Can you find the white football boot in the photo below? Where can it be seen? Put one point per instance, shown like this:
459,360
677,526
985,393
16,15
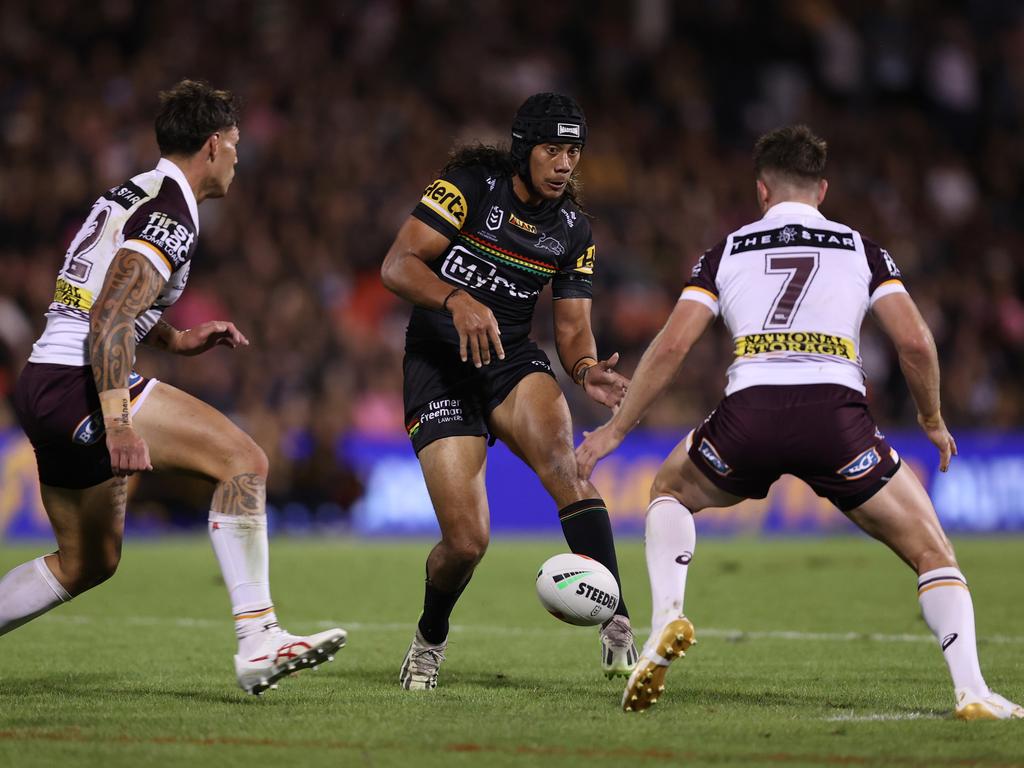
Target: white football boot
665,645
988,706
281,653
422,660
618,651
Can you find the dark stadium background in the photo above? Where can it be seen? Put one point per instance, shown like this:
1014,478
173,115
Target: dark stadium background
351,107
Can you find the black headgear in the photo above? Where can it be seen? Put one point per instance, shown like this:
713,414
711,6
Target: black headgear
545,118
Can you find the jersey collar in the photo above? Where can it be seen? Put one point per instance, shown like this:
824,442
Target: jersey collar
790,208
168,168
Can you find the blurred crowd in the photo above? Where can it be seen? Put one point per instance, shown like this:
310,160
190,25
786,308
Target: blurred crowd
349,109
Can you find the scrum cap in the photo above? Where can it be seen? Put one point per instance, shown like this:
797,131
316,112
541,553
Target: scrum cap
542,118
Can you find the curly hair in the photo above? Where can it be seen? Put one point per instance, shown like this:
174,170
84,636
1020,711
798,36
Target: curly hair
499,159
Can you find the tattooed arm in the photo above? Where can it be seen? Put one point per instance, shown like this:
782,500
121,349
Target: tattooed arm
195,341
131,286
163,336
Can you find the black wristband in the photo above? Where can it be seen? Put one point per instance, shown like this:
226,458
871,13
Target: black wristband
444,304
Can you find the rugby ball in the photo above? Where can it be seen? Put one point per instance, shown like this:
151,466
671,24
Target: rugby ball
577,590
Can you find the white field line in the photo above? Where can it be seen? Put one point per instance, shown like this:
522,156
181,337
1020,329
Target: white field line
482,629
853,717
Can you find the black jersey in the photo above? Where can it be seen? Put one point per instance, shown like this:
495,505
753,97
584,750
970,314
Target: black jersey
502,252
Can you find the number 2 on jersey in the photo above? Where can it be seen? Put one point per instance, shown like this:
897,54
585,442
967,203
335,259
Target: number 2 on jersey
77,267
800,269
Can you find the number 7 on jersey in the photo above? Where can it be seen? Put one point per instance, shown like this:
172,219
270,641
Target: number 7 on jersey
799,269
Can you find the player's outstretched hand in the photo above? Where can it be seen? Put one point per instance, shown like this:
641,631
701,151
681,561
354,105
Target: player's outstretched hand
935,428
128,451
595,446
604,384
213,333
477,327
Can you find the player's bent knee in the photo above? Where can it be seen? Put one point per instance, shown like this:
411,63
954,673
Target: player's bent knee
468,550
939,555
558,471
665,484
247,458
82,576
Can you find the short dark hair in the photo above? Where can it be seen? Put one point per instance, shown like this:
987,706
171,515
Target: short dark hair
794,152
189,113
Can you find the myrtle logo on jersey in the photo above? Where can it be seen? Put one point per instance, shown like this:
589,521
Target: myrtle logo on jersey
466,268
446,200
570,217
172,238
494,218
523,225
793,235
707,450
860,466
568,129
549,243
585,263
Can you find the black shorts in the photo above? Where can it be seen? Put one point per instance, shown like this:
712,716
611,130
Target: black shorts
821,433
59,409
445,397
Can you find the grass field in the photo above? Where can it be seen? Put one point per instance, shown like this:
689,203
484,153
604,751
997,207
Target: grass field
812,652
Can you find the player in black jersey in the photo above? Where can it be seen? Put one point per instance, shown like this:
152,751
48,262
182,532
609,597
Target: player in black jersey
473,257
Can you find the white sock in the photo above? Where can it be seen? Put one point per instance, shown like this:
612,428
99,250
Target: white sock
669,541
240,543
28,591
949,612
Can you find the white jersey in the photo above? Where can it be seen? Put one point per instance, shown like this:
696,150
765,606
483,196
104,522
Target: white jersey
793,288
154,214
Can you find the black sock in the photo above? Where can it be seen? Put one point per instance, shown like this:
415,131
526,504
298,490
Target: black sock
437,608
588,531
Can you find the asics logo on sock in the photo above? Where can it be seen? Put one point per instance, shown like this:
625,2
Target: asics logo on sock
685,558
949,639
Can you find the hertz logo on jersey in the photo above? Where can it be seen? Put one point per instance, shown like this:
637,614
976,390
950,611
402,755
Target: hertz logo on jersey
447,201
585,263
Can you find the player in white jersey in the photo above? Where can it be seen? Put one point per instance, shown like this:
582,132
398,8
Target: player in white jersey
93,421
793,289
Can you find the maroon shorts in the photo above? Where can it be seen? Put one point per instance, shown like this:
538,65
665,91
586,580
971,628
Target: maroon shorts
821,433
59,409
